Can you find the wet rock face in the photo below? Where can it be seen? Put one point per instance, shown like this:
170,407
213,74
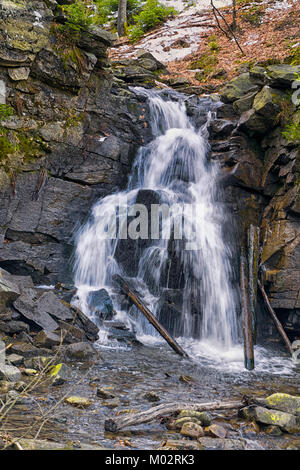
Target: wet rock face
71,139
261,177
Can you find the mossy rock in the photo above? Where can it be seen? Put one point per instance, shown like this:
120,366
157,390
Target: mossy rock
268,101
238,87
80,402
245,103
286,421
202,416
283,75
284,402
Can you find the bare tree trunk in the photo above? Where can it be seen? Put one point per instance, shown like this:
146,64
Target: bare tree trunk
234,24
246,316
122,17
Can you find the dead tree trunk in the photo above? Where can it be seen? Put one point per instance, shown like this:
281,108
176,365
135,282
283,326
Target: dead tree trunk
246,316
122,17
234,23
275,319
253,255
145,311
121,422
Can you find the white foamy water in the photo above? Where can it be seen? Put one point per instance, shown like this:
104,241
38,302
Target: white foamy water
173,166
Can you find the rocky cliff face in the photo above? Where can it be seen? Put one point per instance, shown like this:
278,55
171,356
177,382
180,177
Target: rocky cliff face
262,164
70,127
70,139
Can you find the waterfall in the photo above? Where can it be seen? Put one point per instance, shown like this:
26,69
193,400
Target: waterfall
175,252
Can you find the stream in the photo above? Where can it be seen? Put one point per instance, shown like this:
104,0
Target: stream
194,268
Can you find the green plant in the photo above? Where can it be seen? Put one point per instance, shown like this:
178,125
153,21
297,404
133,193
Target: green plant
80,15
207,63
294,57
5,112
292,130
152,14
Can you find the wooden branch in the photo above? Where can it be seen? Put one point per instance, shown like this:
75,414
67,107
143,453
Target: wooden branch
216,11
275,319
121,422
246,316
152,319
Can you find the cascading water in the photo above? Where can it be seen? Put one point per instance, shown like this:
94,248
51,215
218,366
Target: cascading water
184,255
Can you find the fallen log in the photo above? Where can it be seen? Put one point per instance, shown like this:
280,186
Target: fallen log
149,315
275,319
246,317
120,422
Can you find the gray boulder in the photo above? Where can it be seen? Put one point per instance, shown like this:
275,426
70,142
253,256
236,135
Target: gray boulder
9,373
9,291
27,305
80,352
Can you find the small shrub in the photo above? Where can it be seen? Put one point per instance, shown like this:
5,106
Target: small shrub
294,57
151,15
292,130
5,112
79,16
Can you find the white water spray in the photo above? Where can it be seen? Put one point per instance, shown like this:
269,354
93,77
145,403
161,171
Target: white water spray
174,168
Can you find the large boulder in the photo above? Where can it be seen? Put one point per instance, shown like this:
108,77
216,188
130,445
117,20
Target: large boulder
268,102
9,291
238,87
284,402
100,304
9,373
26,304
286,421
80,352
283,75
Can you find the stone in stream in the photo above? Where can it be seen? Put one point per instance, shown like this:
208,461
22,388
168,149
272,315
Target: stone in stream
202,416
81,352
80,402
59,373
100,304
215,430
178,423
6,386
42,444
212,443
104,394
151,396
286,421
272,430
114,403
9,373
192,430
284,402
29,372
180,444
